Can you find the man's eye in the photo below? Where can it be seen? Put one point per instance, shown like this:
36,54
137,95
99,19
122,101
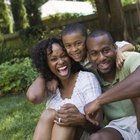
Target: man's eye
94,53
106,50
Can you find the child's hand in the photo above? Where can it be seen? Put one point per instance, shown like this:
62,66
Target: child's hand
52,86
119,59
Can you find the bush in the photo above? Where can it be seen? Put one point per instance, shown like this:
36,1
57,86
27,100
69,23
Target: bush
16,75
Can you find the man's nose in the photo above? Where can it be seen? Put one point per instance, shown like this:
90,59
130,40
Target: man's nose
101,56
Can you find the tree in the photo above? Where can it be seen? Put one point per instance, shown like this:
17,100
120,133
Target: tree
111,18
33,13
5,20
19,14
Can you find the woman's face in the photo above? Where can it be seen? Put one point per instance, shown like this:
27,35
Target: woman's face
59,62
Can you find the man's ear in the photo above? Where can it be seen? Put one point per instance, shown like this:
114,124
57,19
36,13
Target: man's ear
115,46
88,57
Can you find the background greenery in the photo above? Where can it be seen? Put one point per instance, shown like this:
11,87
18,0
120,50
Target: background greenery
18,118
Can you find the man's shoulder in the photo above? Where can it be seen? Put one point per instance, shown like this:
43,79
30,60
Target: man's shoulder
131,53
131,61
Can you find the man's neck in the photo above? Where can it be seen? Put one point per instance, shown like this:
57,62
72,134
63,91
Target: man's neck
108,77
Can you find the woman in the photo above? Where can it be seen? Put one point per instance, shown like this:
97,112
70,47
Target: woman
75,87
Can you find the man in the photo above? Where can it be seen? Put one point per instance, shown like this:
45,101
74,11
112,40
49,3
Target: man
116,85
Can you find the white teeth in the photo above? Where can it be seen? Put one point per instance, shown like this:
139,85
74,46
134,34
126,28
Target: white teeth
62,68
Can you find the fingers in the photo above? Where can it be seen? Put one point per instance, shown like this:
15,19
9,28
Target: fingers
89,117
120,60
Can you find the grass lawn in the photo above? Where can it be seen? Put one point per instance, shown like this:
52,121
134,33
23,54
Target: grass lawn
18,117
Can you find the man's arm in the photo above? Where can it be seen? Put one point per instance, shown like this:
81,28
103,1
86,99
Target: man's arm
37,92
126,89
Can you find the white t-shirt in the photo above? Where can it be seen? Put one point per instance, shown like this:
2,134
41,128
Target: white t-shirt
120,44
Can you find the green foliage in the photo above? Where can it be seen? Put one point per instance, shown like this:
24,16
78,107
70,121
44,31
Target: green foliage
33,13
19,46
30,37
61,19
16,75
127,2
19,14
18,118
5,19
11,48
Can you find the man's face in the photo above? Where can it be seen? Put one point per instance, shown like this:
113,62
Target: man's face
75,45
102,53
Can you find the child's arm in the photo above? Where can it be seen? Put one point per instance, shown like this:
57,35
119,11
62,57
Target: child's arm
122,47
37,92
52,85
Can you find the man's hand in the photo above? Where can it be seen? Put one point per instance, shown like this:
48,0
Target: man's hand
69,115
91,110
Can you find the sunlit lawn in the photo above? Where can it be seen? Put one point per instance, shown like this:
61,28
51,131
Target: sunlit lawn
18,117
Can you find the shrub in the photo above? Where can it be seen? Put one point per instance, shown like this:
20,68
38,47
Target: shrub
16,75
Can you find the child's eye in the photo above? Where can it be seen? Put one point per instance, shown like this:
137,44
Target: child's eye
67,46
78,43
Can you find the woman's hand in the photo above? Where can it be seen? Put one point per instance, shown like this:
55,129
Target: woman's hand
69,115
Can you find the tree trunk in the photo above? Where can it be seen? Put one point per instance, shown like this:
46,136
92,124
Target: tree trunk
112,19
5,19
19,14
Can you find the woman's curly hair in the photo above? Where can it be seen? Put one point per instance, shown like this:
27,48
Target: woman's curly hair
39,58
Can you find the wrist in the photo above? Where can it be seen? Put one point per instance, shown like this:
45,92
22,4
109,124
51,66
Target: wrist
99,101
82,120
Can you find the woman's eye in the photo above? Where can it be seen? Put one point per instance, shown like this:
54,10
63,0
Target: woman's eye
53,59
64,55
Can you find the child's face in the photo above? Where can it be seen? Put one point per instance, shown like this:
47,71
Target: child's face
59,62
75,45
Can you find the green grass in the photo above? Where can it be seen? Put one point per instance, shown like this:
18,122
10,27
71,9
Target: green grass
18,117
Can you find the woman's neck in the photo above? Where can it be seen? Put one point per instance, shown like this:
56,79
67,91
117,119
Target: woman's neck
68,86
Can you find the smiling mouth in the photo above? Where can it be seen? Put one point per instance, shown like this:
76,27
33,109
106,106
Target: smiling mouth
104,66
63,71
77,55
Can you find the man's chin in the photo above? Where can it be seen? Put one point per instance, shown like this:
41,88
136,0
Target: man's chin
103,71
